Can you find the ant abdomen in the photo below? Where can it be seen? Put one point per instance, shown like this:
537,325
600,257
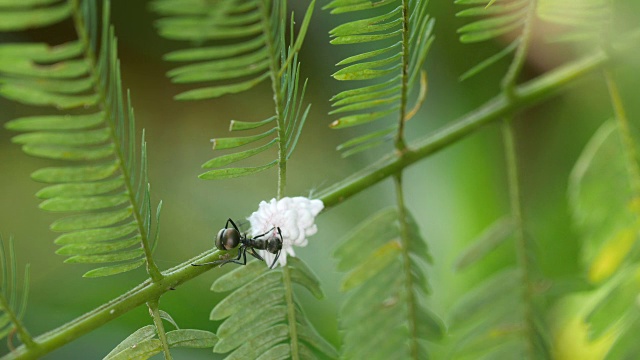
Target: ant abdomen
227,239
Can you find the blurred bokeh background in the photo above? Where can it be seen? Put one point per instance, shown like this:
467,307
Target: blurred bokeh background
453,194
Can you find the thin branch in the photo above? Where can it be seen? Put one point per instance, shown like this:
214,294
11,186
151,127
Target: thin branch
510,78
523,247
400,143
276,85
414,349
291,312
157,321
500,106
19,327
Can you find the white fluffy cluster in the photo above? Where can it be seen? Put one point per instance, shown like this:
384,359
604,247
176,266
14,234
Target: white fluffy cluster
294,216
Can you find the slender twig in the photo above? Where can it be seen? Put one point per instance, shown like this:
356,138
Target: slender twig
154,311
523,247
24,335
527,94
274,48
414,348
400,143
291,311
510,78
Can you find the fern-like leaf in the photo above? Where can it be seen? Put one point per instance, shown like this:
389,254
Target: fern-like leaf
293,118
275,327
603,205
386,315
401,31
494,236
501,317
99,184
489,321
586,20
17,15
249,47
499,18
250,33
606,212
240,64
143,344
12,305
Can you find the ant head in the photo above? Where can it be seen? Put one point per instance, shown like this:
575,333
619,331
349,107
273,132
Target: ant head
227,239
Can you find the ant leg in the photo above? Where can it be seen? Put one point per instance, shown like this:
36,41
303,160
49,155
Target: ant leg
280,233
208,263
255,254
276,259
242,252
261,235
232,223
216,262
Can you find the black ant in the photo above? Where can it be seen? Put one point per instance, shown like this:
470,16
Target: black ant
229,238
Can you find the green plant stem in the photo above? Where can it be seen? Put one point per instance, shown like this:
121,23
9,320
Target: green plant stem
276,87
500,106
154,310
400,143
511,77
9,306
133,298
414,348
20,329
523,247
291,312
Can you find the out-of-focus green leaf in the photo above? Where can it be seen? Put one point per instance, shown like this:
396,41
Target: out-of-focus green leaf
38,97
90,137
386,256
69,153
619,304
23,19
489,240
62,122
603,206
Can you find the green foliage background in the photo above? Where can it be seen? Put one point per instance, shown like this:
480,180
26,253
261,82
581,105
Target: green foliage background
453,195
